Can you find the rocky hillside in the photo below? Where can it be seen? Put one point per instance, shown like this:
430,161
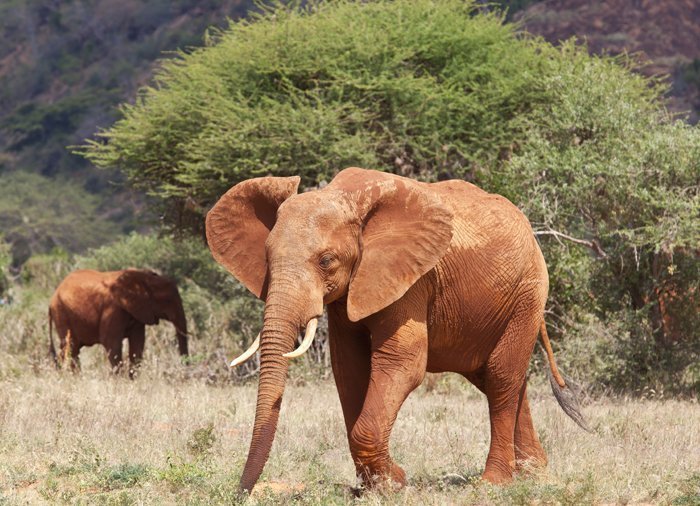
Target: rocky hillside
65,65
664,35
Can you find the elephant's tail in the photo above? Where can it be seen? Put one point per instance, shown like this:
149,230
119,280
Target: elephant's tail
565,391
52,350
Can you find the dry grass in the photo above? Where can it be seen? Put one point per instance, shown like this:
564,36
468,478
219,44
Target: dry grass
97,439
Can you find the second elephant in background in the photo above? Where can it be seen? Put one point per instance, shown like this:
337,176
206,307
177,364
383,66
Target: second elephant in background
91,307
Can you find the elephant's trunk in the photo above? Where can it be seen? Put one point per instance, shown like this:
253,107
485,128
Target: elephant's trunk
280,330
180,322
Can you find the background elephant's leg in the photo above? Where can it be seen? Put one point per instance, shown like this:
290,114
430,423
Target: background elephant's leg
528,450
504,378
398,367
73,355
69,350
350,347
62,351
114,353
137,340
112,332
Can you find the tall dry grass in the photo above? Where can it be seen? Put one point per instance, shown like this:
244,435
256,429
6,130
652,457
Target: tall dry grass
97,439
179,434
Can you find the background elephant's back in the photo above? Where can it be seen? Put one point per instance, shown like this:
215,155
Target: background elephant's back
80,296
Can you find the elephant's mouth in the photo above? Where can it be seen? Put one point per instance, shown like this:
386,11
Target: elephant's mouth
309,335
306,342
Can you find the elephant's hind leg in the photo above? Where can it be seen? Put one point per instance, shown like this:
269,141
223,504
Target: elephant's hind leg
69,351
528,450
504,384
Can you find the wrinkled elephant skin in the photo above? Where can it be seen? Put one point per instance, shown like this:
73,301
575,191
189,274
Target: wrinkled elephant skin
416,277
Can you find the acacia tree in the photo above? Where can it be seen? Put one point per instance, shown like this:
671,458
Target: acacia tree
436,90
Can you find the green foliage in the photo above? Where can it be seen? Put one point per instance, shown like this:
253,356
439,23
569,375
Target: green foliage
513,6
572,492
180,474
421,88
45,272
603,161
5,262
202,441
690,74
66,65
124,475
38,214
690,492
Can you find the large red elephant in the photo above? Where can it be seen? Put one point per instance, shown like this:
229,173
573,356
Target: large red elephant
416,277
91,307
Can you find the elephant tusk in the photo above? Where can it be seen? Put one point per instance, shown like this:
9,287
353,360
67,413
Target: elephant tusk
247,353
308,339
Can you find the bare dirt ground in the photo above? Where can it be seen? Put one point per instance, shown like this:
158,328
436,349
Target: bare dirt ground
96,439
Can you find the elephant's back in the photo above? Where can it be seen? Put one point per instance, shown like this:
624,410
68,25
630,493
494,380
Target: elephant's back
485,222
493,265
81,290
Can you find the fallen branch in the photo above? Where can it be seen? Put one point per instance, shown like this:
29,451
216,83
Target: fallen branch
592,244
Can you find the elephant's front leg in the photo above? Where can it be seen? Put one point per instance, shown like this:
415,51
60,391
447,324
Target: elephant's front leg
112,333
137,341
399,357
350,348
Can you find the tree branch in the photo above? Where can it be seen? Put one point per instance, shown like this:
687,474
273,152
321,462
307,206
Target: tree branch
592,244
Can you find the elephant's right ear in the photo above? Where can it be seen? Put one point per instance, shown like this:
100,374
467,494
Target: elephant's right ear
238,225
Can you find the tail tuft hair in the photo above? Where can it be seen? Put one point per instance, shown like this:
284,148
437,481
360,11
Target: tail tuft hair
567,397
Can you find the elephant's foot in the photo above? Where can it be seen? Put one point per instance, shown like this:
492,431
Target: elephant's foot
498,473
389,475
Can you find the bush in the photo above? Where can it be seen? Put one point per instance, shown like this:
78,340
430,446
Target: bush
5,262
417,87
604,162
38,214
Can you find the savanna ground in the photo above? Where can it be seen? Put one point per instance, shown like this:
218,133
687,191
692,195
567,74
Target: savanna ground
173,437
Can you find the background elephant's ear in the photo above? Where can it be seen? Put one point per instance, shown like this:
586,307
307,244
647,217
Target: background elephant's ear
132,293
239,223
406,232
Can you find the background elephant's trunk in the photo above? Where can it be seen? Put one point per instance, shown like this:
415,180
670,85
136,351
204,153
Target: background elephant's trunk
180,322
280,330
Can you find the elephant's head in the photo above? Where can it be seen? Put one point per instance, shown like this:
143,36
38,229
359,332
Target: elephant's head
149,297
365,238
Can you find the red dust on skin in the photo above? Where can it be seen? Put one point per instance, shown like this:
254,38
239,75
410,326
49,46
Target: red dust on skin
91,307
416,277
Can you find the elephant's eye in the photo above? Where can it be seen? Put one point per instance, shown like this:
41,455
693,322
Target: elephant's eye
325,261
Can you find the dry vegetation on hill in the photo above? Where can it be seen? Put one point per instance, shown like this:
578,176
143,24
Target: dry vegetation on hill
665,35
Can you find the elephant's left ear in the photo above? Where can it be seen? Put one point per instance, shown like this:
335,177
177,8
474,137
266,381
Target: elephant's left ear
132,293
405,233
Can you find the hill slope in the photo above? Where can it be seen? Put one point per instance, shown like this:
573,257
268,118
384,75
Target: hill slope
64,67
666,35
